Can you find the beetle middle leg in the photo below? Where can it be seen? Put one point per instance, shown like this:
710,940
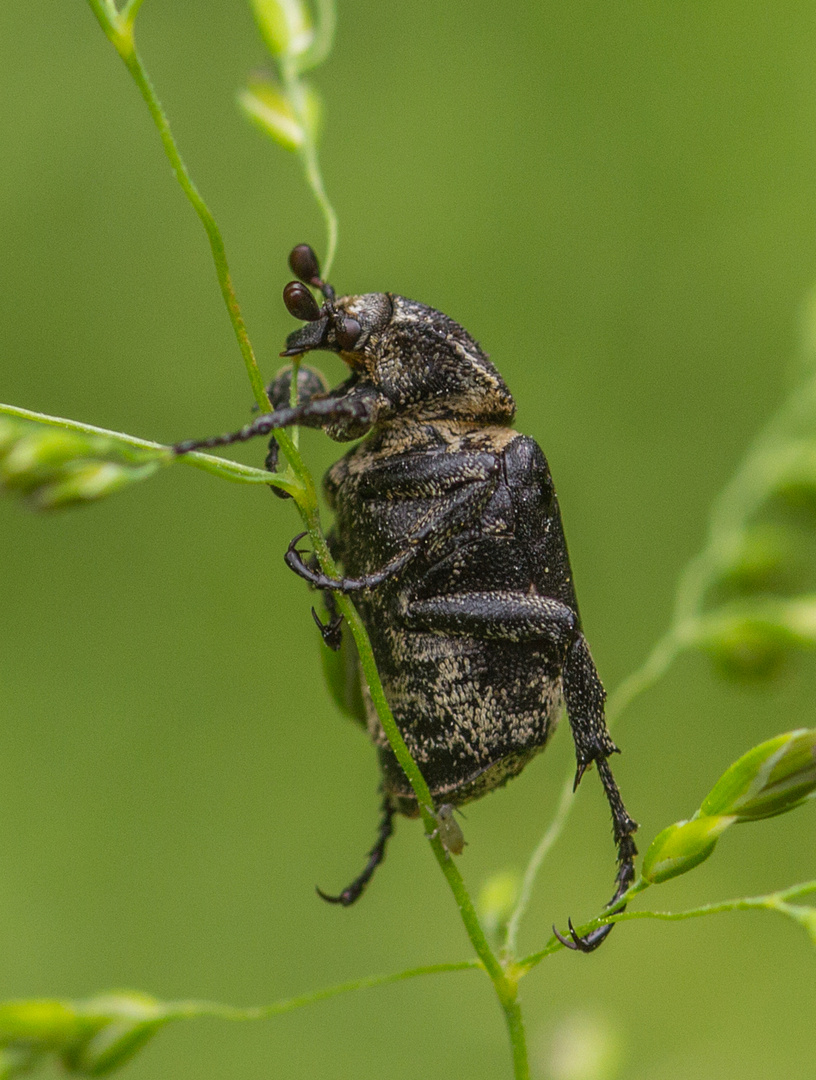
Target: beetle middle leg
295,561
468,480
355,890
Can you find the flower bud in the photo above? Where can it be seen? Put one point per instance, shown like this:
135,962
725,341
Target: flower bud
682,846
267,107
269,110
9,433
39,453
806,917
772,778
285,25
749,649
18,1061
583,1046
129,1021
753,640
89,1037
496,900
766,558
796,482
83,482
42,1023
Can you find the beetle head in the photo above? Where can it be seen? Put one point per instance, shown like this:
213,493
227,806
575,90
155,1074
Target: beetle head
423,364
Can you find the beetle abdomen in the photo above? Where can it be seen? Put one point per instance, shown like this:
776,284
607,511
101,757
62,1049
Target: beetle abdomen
473,713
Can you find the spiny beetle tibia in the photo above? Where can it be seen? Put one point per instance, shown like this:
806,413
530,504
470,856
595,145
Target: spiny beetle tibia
449,535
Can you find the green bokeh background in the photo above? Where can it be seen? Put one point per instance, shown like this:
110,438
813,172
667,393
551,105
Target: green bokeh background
618,200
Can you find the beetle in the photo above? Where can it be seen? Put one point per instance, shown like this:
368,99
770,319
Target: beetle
449,534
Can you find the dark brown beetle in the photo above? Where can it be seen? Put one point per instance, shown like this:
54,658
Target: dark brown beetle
448,531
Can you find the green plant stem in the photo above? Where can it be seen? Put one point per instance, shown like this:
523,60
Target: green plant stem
119,30
187,1010
409,766
554,945
518,1039
217,466
295,93
536,859
777,901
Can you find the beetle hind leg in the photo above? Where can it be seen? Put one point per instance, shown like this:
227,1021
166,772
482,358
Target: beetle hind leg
623,827
584,696
355,890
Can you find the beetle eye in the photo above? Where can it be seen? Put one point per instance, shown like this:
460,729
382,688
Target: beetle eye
347,331
300,302
304,265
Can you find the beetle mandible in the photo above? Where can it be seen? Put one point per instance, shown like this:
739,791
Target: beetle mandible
449,534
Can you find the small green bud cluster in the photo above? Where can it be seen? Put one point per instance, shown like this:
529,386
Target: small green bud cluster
288,109
773,778
762,573
265,104
753,641
89,1038
285,25
496,900
53,467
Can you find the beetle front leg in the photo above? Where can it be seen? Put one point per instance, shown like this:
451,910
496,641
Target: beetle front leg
345,417
354,891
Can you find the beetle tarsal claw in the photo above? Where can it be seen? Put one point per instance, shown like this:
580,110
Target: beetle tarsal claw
567,942
330,631
586,944
344,899
579,772
294,559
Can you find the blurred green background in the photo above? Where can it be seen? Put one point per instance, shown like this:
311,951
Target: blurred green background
618,201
